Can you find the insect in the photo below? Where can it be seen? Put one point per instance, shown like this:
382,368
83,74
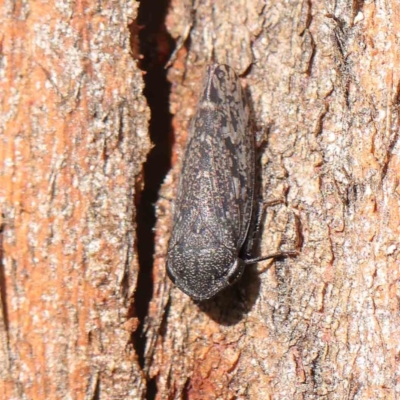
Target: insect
214,205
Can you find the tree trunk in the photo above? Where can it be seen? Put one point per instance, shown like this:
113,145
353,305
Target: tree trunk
323,83
73,140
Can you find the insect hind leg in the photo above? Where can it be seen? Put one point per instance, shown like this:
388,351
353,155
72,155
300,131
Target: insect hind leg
253,236
255,227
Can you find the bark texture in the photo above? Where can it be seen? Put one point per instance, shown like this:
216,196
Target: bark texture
73,137
323,80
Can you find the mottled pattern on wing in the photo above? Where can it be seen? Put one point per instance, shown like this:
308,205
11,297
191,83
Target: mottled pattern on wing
217,178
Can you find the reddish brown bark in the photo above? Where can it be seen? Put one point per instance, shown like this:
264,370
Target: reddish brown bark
73,139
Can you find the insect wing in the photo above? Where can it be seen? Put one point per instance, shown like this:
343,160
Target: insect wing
217,178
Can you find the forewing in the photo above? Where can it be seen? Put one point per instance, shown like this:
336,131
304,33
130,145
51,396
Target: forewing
217,178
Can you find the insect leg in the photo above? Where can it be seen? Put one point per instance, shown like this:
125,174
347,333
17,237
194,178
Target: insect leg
261,213
291,253
255,225
247,256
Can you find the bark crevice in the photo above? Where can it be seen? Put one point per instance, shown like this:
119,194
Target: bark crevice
155,45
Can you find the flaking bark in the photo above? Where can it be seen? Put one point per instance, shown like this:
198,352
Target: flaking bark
323,82
73,138
324,86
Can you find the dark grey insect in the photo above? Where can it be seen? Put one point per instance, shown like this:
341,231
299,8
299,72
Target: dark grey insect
213,210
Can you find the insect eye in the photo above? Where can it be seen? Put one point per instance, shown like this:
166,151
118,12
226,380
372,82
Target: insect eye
236,271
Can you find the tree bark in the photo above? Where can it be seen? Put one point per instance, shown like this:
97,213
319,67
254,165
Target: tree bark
73,140
323,83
